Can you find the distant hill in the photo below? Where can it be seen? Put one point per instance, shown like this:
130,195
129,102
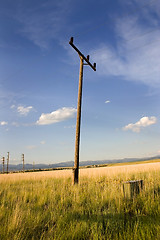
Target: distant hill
19,167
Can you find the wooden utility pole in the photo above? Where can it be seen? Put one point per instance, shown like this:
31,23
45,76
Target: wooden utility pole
7,161
3,161
23,161
78,124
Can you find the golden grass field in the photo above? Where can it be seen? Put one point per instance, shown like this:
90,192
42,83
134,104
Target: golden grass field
46,204
109,172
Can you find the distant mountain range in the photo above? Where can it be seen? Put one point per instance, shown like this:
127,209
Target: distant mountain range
19,167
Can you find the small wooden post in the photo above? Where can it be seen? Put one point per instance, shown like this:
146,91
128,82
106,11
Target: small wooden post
132,188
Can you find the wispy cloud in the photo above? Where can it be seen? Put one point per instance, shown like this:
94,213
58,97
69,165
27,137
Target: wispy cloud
59,115
43,23
136,54
12,106
3,123
15,124
24,110
7,96
142,123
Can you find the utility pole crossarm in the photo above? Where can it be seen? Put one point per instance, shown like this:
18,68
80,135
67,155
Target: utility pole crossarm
80,54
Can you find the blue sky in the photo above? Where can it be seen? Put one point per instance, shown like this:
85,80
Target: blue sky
39,74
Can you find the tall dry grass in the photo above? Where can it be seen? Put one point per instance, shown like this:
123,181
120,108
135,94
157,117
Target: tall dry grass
125,171
45,205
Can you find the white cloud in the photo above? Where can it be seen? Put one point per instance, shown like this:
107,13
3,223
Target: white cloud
107,101
143,122
136,55
40,28
59,115
42,142
3,123
24,110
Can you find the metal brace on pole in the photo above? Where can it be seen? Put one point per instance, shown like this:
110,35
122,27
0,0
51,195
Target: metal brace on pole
77,141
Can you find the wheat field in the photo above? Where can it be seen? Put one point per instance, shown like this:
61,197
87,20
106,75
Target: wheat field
46,205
